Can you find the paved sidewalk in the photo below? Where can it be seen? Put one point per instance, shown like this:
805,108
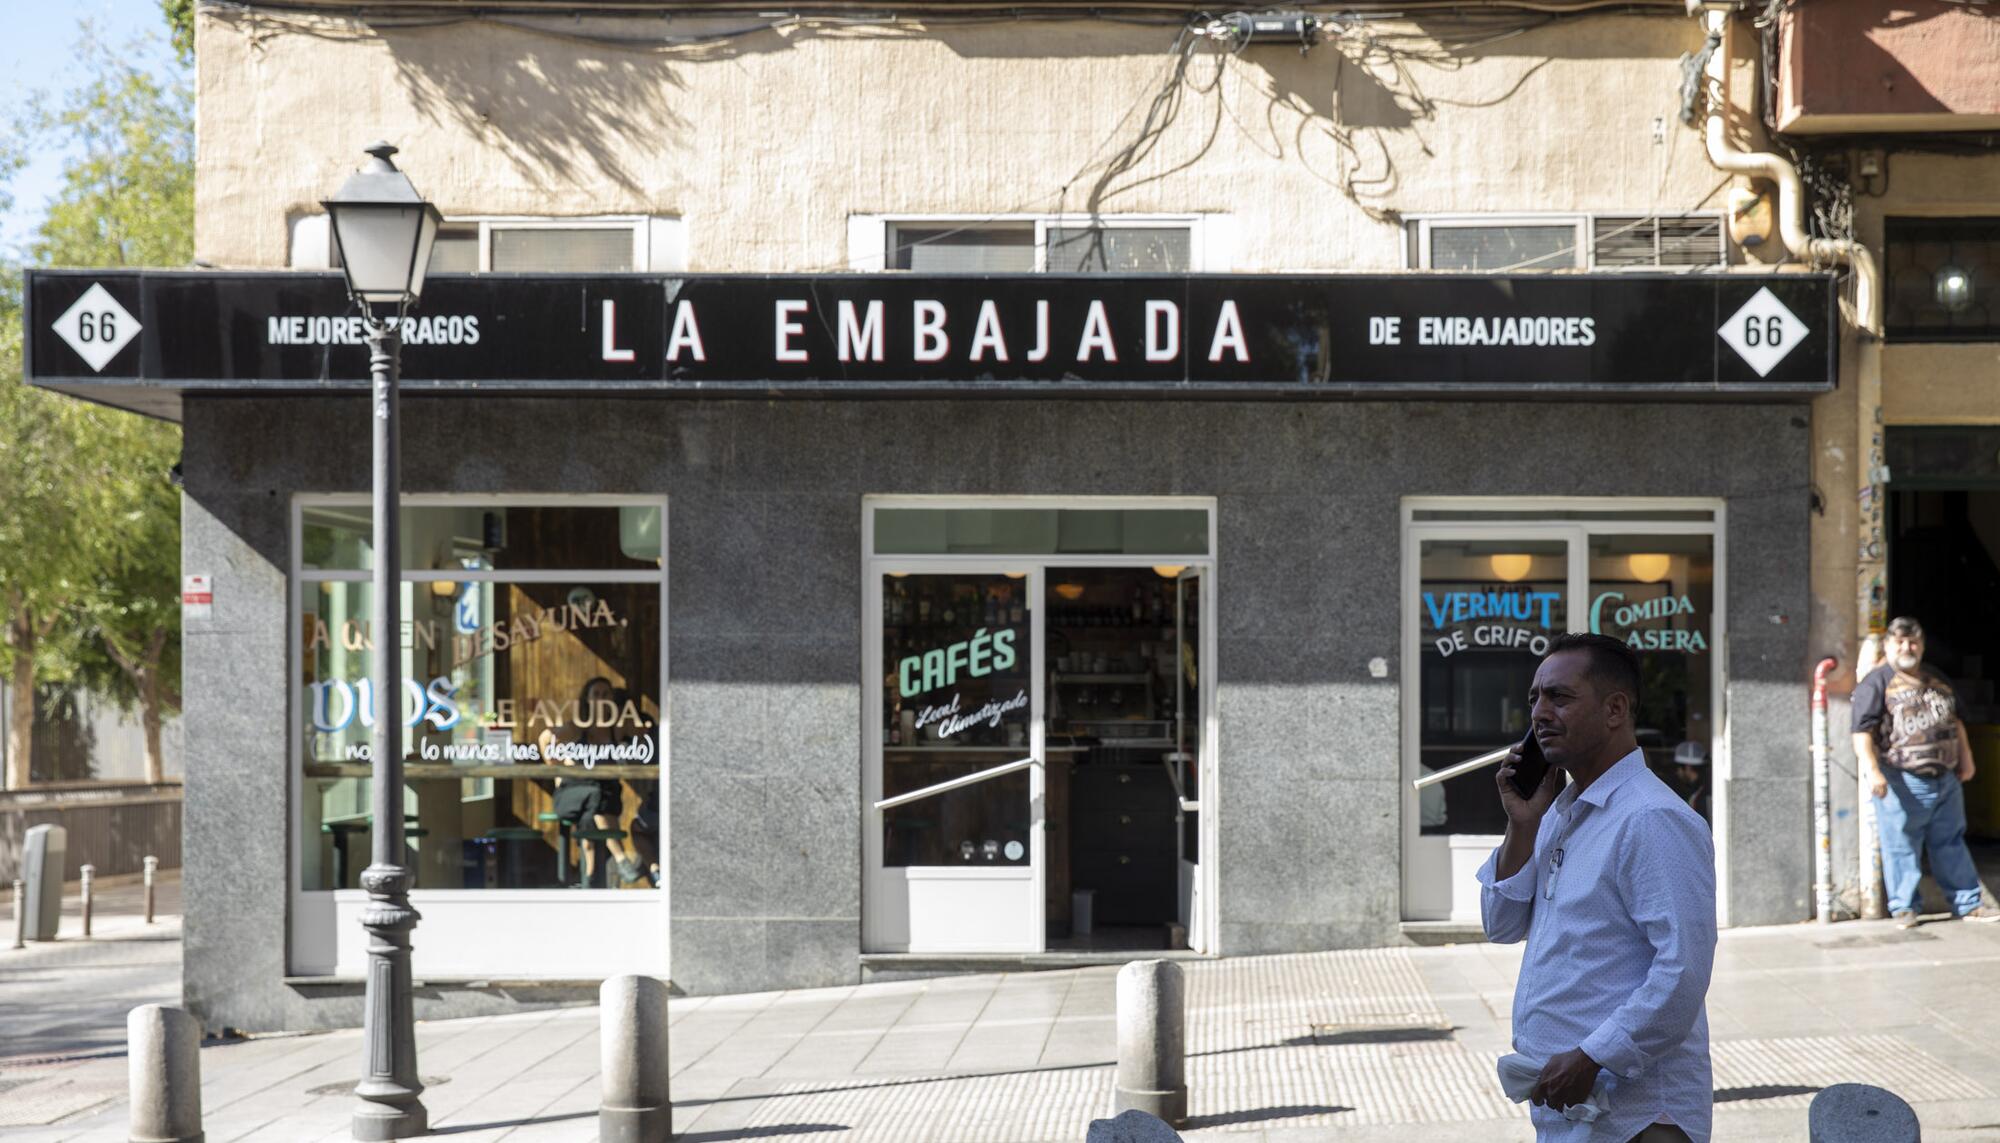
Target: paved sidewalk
69,996
1379,1044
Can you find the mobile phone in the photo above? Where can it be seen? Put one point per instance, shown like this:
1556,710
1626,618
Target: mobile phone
1528,772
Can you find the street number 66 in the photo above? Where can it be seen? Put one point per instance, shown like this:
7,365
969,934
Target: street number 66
1769,331
97,326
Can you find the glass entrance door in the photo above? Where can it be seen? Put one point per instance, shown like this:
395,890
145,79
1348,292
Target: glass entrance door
954,838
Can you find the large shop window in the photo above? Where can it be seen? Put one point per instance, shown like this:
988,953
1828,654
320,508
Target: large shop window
532,653
1487,608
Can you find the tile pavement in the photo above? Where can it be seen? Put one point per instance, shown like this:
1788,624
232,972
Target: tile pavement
1378,1044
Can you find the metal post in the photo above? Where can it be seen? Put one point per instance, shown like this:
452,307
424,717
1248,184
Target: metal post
89,871
1822,797
152,867
1868,847
163,1071
389,1094
1861,1113
20,913
1152,1041
632,1037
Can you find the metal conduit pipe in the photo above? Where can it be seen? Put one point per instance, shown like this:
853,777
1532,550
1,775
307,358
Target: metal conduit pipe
1791,193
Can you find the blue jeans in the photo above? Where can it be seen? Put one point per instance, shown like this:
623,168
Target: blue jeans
1918,814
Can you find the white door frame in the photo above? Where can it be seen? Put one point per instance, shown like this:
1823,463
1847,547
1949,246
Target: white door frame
1630,521
876,921
478,933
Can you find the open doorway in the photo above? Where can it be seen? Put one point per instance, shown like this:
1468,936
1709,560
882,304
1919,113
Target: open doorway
1124,728
1944,569
1045,795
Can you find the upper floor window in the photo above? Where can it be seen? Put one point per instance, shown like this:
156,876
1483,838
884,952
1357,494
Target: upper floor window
1509,243
1942,274
1020,244
609,244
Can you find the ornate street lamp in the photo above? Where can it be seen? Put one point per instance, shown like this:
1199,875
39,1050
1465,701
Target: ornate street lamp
384,230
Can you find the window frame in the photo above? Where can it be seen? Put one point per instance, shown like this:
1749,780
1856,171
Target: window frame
1417,248
300,578
659,242
869,235
1589,516
1905,334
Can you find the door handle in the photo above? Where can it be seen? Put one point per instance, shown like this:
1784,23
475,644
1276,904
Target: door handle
1465,767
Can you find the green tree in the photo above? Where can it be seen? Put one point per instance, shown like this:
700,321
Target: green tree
51,482
127,197
180,27
90,535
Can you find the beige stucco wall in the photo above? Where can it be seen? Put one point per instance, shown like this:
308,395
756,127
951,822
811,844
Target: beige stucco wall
1920,384
765,145
1936,383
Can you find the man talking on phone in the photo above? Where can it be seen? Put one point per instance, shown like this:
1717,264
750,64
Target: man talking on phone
1611,881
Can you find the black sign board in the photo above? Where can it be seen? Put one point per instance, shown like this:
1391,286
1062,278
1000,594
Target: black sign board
141,338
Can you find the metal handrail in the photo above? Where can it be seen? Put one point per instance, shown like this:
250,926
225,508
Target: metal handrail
955,783
1465,767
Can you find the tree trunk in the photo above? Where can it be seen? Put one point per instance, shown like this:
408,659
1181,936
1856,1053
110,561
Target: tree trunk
21,701
144,672
149,717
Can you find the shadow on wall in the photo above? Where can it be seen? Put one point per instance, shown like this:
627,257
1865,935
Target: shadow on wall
552,96
547,103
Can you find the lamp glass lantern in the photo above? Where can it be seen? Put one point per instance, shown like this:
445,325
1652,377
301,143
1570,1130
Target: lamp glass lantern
1952,287
384,230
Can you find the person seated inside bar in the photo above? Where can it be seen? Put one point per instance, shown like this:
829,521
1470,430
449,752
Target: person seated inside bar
645,835
591,803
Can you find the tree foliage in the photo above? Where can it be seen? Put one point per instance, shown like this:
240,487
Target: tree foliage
127,197
180,28
89,524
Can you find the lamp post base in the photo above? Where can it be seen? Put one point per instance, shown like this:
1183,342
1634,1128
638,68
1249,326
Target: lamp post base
390,1122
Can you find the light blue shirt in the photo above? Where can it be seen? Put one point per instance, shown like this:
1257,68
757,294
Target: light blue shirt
1618,909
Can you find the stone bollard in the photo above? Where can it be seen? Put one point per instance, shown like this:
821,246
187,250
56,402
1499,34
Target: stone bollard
152,867
165,1072
1860,1113
632,1030
20,913
1152,1043
1131,1127
89,871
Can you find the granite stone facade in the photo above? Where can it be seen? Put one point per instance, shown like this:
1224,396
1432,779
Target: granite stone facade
765,599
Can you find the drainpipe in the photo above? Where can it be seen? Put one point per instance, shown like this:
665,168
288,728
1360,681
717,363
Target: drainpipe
1791,193
1871,490
1822,797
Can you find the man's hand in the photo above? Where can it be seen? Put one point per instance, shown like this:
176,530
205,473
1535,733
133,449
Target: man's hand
1526,813
1565,1080
1866,755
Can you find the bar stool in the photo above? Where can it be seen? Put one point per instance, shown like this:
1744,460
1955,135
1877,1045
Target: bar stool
341,831
597,836
562,845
